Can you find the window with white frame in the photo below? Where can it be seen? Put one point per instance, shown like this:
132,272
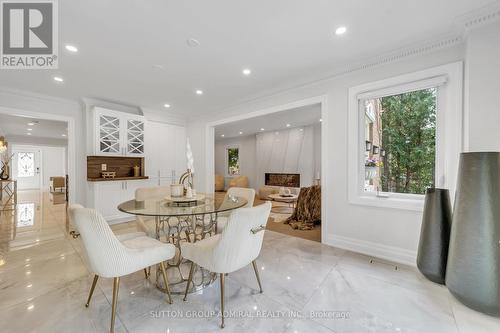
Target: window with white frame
405,136
233,160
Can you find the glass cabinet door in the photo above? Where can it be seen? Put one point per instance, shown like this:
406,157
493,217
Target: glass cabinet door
135,137
109,134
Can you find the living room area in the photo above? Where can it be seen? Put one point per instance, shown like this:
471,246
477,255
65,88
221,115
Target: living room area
277,156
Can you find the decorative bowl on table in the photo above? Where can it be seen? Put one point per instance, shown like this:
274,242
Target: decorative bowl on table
185,201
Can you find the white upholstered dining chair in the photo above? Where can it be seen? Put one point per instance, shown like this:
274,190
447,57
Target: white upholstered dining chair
246,193
146,223
237,246
113,256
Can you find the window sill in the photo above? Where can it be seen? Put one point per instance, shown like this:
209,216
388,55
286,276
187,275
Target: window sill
413,204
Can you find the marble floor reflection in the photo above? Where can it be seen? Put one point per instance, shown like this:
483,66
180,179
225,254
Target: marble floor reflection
308,287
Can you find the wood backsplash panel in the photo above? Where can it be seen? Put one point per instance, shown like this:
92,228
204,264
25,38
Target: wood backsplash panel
122,165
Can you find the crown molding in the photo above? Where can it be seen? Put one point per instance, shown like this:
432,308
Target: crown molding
478,18
9,92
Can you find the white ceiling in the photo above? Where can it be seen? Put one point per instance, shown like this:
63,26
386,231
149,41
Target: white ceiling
302,116
284,42
11,125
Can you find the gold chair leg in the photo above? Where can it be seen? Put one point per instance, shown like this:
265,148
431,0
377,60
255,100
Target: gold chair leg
92,290
116,286
146,273
190,279
256,270
165,280
222,276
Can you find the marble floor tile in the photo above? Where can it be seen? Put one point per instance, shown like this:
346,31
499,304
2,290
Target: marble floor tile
308,287
361,303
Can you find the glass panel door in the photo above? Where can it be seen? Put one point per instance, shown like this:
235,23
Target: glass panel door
109,134
135,137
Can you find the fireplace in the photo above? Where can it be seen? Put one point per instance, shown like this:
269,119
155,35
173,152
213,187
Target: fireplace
283,179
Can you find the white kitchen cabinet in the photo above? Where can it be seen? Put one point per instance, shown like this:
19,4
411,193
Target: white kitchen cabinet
165,157
109,194
118,133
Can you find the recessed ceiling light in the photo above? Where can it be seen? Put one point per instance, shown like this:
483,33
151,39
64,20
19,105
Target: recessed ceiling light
222,135
241,132
320,120
166,105
301,129
246,71
288,125
262,129
193,42
199,92
58,79
340,30
29,129
31,124
71,48
63,135
28,133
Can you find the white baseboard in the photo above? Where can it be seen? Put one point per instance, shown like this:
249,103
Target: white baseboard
390,253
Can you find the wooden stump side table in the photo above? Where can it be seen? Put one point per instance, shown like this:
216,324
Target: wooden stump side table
8,194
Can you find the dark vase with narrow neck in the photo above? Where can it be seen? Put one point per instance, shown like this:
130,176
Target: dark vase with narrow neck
435,235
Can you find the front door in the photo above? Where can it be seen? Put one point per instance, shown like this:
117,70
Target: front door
26,168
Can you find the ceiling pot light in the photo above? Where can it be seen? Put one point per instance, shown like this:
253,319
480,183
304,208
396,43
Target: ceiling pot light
29,129
28,133
320,120
199,92
58,79
63,135
193,42
241,133
71,48
222,135
246,71
166,105
340,30
288,125
262,129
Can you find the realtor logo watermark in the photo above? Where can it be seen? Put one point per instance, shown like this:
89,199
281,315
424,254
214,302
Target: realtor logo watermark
29,34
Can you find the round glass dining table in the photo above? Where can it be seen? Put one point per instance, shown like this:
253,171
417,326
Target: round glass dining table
186,221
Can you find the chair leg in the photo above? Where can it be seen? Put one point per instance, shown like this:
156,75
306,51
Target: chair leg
222,276
146,273
92,290
116,286
165,280
256,270
190,279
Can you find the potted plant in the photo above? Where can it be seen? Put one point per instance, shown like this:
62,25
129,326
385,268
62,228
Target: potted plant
371,168
5,158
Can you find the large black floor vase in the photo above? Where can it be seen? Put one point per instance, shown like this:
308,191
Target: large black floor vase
435,235
473,270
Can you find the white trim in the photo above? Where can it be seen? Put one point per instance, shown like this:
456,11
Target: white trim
377,250
210,150
448,136
71,139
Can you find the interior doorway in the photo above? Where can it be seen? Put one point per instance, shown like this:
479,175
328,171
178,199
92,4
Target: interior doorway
279,153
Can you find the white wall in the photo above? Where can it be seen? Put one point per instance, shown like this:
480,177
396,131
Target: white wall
247,158
482,84
287,151
389,233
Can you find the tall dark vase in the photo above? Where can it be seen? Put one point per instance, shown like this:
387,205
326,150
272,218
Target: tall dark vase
435,235
473,270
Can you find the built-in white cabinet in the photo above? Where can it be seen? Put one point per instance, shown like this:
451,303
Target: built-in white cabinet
109,194
165,157
118,133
